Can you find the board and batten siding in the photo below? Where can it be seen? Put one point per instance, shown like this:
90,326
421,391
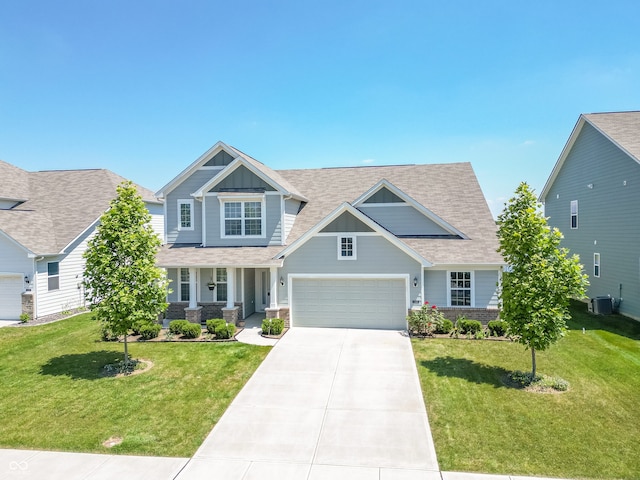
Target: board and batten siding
375,255
183,192
606,183
273,224
402,219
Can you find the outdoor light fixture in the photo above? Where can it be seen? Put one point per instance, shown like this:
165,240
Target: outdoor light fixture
211,285
415,281
281,282
26,279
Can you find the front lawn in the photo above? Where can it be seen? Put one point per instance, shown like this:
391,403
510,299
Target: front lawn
591,431
54,396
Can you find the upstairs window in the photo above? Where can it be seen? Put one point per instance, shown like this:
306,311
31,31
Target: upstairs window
460,288
53,276
243,219
185,214
596,265
346,248
574,214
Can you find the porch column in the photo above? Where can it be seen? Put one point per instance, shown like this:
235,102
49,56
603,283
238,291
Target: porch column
231,287
193,290
274,287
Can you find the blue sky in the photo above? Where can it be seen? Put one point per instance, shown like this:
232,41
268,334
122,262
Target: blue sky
144,87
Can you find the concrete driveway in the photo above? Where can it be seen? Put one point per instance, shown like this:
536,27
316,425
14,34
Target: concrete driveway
326,403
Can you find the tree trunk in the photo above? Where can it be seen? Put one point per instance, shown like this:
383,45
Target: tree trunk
126,350
533,364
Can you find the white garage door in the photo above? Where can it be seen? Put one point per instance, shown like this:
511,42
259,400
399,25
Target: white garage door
349,302
10,297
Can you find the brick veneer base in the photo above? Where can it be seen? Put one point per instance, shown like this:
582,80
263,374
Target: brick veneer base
282,312
176,310
485,315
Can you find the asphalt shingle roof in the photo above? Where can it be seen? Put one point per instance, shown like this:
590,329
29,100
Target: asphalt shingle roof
622,128
58,205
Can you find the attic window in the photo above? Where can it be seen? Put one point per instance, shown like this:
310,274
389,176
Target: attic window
346,248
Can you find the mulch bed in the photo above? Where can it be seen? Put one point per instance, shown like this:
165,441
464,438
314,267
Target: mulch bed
204,337
275,337
460,337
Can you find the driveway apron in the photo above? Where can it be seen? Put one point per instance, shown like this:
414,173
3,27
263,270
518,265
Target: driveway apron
325,403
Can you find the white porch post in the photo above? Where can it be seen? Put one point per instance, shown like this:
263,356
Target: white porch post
193,290
274,287
231,287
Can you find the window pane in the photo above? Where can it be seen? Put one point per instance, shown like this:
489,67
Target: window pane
184,292
185,215
221,289
233,227
233,210
221,275
184,275
252,210
53,283
253,227
346,247
53,268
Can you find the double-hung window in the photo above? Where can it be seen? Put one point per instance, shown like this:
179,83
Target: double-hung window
184,284
574,214
460,285
221,284
185,214
346,247
596,265
53,276
243,218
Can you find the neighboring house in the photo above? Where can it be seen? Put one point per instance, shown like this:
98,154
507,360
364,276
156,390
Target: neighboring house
46,219
335,247
593,198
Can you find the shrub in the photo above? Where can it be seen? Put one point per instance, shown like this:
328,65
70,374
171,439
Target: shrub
191,330
426,321
24,317
214,323
445,327
224,330
469,326
137,326
107,334
176,326
149,331
272,326
497,328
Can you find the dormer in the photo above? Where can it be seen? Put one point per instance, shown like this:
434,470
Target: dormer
402,215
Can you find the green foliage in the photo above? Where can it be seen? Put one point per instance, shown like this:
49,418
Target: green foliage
191,330
497,328
539,382
543,277
214,323
176,326
224,330
147,332
469,326
272,326
106,334
427,321
24,317
123,284
445,327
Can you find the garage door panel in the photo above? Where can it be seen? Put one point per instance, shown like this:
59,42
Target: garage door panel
10,297
351,303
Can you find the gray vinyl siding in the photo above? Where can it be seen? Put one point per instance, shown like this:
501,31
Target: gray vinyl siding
435,287
241,178
174,285
183,192
403,220
375,255
384,195
608,215
273,227
220,159
486,288
346,222
157,219
291,208
13,259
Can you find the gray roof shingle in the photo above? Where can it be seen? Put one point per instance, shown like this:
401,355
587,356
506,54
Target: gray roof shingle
59,205
622,128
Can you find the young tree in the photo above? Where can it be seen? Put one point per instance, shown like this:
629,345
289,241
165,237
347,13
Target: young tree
123,284
543,277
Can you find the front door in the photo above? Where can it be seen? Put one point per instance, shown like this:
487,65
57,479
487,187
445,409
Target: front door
262,289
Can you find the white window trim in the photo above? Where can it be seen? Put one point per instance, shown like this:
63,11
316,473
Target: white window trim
571,215
473,289
354,247
191,208
596,264
233,199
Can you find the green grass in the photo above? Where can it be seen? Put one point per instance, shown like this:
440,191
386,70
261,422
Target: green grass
53,396
591,431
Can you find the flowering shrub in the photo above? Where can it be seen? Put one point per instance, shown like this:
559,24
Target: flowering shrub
426,321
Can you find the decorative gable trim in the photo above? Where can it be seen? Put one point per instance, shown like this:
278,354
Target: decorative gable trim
200,161
384,183
377,229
